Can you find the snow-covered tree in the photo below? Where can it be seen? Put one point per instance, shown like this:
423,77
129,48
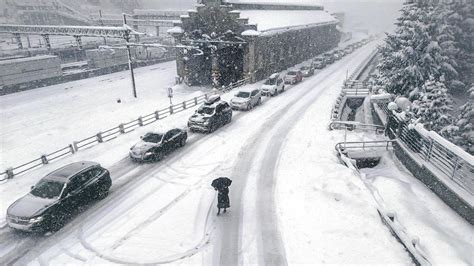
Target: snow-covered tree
463,134
433,106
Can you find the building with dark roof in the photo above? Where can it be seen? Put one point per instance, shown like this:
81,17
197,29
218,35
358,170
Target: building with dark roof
233,40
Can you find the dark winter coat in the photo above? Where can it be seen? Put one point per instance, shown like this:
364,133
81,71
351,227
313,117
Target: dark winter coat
223,200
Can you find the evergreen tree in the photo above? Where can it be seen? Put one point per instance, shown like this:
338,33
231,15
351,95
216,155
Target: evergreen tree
433,106
464,126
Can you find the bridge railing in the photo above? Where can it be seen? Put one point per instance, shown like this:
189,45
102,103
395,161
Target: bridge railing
432,150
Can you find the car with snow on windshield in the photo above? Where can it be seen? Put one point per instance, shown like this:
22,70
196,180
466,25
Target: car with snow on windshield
273,85
246,99
213,114
293,76
318,62
153,146
307,71
58,195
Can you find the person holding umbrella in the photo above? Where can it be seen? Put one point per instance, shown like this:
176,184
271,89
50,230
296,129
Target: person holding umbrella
222,184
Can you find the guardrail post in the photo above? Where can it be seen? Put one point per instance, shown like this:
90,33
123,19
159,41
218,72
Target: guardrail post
74,144
157,115
455,167
205,96
44,160
171,109
121,129
430,149
140,121
71,148
99,137
195,101
184,105
10,173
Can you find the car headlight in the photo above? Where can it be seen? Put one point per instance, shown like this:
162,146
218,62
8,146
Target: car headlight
148,154
36,219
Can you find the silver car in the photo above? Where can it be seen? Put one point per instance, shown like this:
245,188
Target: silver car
246,99
273,85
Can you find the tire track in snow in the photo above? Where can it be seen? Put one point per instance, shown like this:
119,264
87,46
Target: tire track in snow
270,245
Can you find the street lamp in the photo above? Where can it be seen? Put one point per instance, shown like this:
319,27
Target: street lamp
129,53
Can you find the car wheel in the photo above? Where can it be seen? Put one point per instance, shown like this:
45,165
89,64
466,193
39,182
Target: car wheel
103,193
283,88
182,142
158,157
276,92
249,106
259,102
56,222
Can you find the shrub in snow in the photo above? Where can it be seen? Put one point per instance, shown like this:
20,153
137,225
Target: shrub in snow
464,135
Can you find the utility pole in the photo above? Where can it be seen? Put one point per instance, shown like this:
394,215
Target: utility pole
130,63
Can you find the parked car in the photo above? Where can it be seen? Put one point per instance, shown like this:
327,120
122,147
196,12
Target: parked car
273,85
211,115
57,195
246,99
154,145
307,71
329,57
293,76
348,50
319,62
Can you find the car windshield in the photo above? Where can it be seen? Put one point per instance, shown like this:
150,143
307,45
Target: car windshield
206,110
292,73
270,81
48,189
305,68
153,138
318,59
243,94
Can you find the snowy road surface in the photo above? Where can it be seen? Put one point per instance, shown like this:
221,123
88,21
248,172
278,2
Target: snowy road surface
291,201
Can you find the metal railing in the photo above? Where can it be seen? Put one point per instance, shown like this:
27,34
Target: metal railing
355,88
115,132
353,125
432,153
342,147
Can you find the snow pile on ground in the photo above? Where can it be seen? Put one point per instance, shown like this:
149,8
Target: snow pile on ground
445,237
40,121
325,211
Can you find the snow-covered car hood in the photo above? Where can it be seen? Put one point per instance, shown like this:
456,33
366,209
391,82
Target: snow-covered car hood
142,147
268,87
199,117
287,77
30,206
240,100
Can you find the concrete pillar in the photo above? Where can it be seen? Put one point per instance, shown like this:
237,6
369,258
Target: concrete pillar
250,59
17,37
215,68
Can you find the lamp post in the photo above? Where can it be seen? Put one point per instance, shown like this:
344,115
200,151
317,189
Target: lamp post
130,63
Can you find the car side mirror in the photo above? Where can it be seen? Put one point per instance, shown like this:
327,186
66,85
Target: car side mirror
141,137
32,187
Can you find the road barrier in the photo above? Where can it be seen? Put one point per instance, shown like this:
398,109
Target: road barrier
115,132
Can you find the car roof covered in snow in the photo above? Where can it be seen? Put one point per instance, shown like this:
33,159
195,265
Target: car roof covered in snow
247,89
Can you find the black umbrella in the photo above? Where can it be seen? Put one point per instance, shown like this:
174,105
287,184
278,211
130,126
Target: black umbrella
221,182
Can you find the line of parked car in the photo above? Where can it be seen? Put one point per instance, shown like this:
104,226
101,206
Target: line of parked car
60,193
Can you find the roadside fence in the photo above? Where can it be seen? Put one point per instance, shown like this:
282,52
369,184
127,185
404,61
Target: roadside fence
427,147
115,132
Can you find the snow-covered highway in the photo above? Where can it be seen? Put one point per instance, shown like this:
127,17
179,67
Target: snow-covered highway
291,201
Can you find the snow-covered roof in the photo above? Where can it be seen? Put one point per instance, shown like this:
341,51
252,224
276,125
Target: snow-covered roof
250,33
269,20
273,3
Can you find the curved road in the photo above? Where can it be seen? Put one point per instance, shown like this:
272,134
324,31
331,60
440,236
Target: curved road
246,149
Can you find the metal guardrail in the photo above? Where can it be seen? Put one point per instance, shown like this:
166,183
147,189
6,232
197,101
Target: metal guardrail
115,132
341,147
431,152
352,125
348,89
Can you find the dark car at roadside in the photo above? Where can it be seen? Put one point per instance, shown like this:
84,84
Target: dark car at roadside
155,145
213,114
58,195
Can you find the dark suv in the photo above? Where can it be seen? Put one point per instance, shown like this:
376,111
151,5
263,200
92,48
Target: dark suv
211,115
57,195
